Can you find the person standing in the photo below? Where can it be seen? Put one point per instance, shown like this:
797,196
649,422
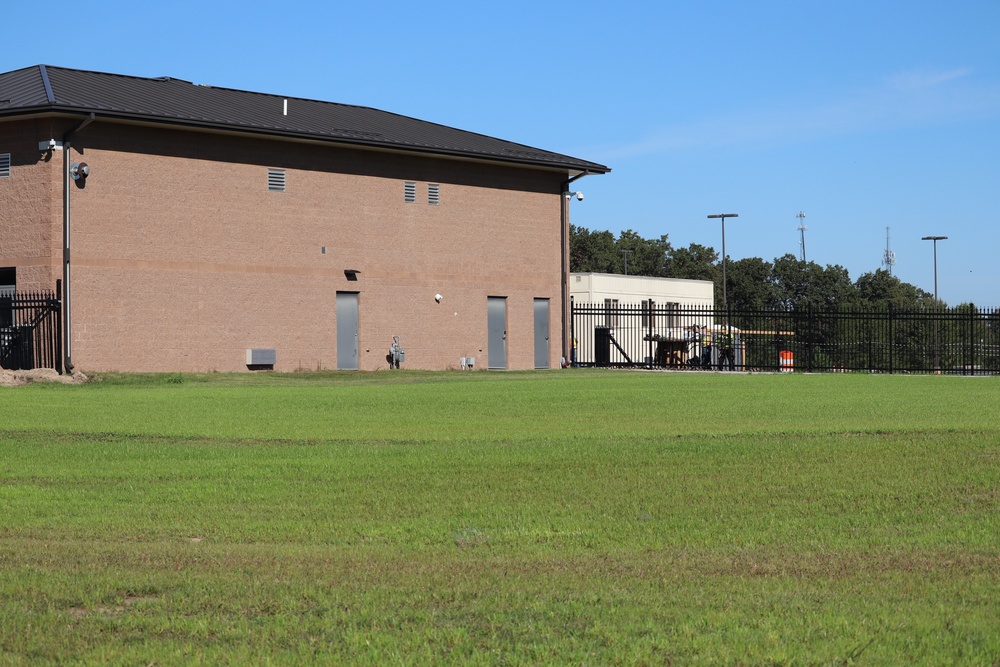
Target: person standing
727,351
706,348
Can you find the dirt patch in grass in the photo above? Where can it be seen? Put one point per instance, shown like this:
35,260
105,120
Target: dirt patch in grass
19,378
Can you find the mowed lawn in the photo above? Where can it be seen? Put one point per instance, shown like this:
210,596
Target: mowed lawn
563,517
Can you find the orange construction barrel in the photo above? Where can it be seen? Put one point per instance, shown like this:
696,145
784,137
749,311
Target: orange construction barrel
786,361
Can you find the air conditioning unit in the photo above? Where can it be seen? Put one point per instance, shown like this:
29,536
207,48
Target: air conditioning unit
261,356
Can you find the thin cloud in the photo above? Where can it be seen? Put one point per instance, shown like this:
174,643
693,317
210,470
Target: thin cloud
918,80
906,100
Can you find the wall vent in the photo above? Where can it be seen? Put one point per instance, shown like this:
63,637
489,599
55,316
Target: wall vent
433,194
409,192
276,180
4,165
258,357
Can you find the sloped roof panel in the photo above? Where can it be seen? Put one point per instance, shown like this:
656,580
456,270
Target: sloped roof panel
22,88
173,100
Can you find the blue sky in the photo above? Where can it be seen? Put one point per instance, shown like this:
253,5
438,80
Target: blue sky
864,115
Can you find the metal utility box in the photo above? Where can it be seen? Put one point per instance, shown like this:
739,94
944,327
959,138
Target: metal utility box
397,354
260,356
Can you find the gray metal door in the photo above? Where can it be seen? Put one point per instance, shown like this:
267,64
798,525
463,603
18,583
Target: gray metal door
541,333
496,323
347,331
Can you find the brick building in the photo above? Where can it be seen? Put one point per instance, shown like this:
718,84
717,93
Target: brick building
186,225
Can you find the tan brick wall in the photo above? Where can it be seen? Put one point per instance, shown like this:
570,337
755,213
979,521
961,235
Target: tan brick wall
182,259
31,205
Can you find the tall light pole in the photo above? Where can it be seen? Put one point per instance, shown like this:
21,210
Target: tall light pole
725,296
937,340
935,239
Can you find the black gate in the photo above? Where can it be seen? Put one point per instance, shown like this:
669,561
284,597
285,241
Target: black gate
30,331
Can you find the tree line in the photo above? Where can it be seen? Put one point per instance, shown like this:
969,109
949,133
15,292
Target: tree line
786,283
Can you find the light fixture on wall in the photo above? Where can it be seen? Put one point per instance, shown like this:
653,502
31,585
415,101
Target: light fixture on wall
79,170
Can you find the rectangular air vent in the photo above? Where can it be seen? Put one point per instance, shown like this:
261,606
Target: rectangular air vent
276,180
409,192
433,194
4,165
260,356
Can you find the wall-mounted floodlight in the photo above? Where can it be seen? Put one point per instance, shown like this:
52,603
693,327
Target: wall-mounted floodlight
570,195
79,170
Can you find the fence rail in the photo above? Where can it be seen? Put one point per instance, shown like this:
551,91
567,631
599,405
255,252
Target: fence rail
30,331
937,340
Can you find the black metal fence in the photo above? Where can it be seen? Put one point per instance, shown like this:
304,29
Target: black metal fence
30,331
946,340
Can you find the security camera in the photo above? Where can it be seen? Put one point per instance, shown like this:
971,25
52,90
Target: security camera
579,196
438,297
52,143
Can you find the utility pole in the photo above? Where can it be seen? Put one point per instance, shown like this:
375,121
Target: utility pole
625,255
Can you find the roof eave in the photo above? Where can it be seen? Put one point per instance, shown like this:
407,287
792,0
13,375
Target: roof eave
576,166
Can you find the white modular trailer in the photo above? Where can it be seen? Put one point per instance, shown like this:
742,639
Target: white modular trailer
597,287
622,319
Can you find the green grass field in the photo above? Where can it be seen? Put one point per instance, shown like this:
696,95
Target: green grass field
567,517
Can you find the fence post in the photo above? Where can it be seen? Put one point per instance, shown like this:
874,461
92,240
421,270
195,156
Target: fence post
650,313
59,326
972,341
812,335
890,343
572,335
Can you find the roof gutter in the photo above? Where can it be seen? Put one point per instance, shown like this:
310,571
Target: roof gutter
67,182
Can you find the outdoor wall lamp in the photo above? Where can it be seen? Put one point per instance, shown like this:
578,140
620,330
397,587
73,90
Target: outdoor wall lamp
79,170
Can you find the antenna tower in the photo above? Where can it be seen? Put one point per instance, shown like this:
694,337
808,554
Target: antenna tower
888,257
801,215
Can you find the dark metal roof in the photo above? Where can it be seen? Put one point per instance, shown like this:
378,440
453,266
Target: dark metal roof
44,89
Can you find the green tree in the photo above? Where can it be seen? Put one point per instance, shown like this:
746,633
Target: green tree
880,289
646,257
696,262
750,284
601,252
807,284
591,252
